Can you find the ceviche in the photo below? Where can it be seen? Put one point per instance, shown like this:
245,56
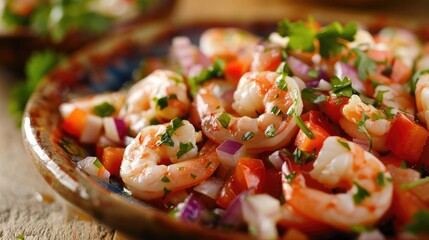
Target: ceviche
312,132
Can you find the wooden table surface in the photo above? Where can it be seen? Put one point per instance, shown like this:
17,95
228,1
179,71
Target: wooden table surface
29,207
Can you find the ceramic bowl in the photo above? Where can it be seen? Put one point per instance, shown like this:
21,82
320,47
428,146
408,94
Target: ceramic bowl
104,66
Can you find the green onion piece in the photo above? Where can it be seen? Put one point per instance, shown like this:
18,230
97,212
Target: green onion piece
224,119
97,163
414,184
361,194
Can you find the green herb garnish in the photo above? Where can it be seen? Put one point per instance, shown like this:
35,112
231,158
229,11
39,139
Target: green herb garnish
380,179
165,179
414,184
364,64
270,131
276,111
169,131
361,194
247,136
290,177
308,94
420,223
342,87
344,144
104,109
162,103
216,70
379,98
184,148
224,119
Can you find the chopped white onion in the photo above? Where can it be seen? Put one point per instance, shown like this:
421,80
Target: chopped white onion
92,129
94,167
276,159
261,212
210,187
277,39
114,129
324,85
229,152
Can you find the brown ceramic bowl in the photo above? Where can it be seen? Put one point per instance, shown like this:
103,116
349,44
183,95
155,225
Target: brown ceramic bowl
107,65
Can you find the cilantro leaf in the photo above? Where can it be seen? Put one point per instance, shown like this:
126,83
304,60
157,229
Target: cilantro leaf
165,179
379,98
362,129
420,223
342,87
169,131
344,144
216,70
301,37
290,177
184,148
364,64
281,83
162,103
380,179
270,131
104,109
361,194
308,94
330,38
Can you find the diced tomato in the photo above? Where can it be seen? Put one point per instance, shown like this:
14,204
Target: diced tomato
75,122
401,73
273,183
406,139
229,191
99,149
333,107
306,144
391,159
234,70
112,159
320,119
249,173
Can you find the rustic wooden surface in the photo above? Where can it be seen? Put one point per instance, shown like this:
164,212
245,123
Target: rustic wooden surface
29,207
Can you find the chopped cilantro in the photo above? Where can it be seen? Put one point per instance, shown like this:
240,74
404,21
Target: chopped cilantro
166,191
380,179
276,111
308,94
207,165
104,109
270,131
303,127
361,194
154,121
388,112
193,176
165,179
276,96
217,69
169,131
414,184
224,119
183,168
331,37
344,144
247,136
162,103
290,177
362,129
300,157
281,83
184,148
342,87
420,223
379,98
403,164
364,64
20,237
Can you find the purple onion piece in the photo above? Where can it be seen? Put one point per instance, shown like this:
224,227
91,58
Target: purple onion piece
299,68
121,128
343,69
230,147
233,216
191,210
312,84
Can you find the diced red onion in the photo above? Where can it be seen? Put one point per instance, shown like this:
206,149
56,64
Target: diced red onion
190,210
312,84
92,129
233,216
277,159
299,68
115,129
93,167
343,69
229,152
262,212
210,187
187,55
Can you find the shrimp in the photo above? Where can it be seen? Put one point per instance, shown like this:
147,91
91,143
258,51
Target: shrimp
226,42
342,165
395,96
422,99
142,168
375,122
160,97
265,100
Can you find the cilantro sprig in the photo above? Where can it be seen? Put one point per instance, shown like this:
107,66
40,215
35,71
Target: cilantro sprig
420,223
364,64
331,38
361,194
342,88
216,70
165,138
